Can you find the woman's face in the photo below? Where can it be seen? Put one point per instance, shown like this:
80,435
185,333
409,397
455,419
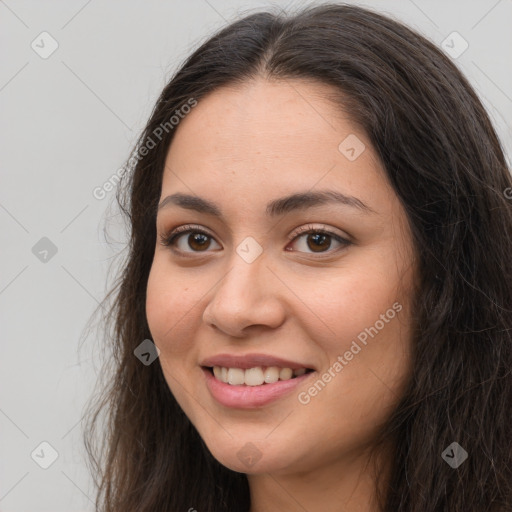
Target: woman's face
318,283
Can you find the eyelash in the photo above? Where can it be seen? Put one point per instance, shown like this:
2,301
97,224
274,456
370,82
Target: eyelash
169,239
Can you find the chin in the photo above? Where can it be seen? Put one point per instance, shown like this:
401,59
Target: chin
249,464
246,454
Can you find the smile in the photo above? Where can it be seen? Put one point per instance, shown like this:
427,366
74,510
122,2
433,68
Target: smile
242,395
255,376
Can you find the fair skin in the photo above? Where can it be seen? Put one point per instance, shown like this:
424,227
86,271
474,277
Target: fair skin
240,148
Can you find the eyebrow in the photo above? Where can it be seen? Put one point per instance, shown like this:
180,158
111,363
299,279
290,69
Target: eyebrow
295,202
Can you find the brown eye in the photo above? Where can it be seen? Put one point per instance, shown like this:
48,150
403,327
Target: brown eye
198,241
319,241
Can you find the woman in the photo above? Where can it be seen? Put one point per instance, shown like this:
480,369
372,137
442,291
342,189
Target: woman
320,239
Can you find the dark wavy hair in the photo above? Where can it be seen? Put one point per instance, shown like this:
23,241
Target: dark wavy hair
446,165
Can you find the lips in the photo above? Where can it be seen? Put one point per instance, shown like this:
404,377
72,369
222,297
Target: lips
252,380
251,397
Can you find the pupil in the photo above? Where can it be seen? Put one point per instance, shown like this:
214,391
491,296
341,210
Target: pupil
319,239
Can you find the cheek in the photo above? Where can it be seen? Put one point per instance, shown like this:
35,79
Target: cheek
348,303
361,317
170,312
157,301
170,307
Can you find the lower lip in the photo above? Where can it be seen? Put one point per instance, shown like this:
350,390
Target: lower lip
250,397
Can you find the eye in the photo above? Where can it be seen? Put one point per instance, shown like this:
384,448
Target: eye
318,240
198,239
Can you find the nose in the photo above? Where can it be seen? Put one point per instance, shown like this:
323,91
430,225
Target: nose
248,295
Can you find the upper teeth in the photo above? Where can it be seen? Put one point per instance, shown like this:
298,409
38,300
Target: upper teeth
255,376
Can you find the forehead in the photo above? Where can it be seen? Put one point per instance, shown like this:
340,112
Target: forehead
271,138
248,119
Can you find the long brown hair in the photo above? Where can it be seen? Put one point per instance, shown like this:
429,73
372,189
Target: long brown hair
445,163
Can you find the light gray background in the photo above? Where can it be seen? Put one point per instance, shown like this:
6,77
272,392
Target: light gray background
67,124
